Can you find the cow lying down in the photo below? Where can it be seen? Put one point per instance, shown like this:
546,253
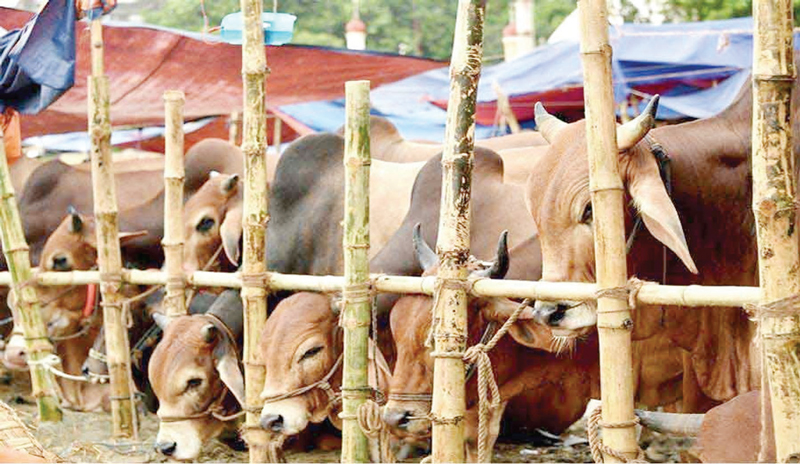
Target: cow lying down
301,347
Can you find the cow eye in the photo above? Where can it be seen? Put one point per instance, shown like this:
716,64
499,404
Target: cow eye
311,353
586,217
205,224
193,383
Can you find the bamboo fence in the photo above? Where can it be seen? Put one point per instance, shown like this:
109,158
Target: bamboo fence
614,322
173,241
254,267
448,408
26,314
356,291
775,209
109,259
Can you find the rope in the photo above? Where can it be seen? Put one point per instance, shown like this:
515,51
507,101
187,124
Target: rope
275,448
50,362
785,307
371,423
599,448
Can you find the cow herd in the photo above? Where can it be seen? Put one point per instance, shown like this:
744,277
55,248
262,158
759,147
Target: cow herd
531,220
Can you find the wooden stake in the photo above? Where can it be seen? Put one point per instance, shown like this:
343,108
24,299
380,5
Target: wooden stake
277,133
26,314
123,412
450,313
613,315
775,209
254,287
234,123
356,290
504,108
173,241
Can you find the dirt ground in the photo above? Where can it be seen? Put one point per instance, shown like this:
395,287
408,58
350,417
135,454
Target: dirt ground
86,437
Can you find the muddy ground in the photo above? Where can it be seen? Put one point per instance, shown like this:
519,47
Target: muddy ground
86,437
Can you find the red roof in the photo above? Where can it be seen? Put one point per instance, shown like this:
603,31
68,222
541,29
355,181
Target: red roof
142,62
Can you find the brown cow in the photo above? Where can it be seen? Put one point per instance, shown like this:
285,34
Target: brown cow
542,389
194,372
302,345
710,176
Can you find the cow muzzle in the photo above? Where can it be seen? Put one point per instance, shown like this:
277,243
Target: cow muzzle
406,421
565,317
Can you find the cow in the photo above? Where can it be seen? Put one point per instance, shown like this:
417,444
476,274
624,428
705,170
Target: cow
194,372
301,348
711,192
542,390
308,186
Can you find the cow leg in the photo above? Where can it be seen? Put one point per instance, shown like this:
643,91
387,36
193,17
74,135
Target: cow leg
694,400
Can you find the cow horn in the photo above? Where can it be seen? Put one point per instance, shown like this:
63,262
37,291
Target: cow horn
687,425
76,225
425,255
209,333
547,124
499,267
161,320
230,184
630,133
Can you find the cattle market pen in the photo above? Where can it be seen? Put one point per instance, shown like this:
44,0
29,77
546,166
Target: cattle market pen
774,205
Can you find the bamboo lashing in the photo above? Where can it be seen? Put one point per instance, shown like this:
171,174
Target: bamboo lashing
448,408
173,242
356,289
26,314
605,185
123,412
775,209
254,267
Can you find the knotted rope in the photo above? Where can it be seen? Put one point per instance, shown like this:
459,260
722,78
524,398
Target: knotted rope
478,354
371,423
596,443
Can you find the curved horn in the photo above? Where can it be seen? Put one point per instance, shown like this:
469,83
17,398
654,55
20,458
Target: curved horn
687,425
499,267
630,133
547,124
425,255
161,320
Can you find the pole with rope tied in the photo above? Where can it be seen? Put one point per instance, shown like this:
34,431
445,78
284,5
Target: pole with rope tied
173,242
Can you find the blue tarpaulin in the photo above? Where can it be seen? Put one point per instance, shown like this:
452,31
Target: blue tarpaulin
37,62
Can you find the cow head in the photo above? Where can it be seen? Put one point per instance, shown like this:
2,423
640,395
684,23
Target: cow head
560,203
412,380
299,345
213,217
191,372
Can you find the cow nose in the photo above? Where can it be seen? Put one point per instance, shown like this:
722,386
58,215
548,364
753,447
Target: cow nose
85,371
60,263
273,422
549,313
397,418
166,448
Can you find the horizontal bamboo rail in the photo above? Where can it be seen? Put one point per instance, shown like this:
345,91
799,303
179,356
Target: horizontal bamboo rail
650,293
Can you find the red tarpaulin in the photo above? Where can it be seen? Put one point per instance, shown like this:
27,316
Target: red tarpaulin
143,62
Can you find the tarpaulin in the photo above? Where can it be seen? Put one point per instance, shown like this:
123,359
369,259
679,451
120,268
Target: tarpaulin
37,61
144,61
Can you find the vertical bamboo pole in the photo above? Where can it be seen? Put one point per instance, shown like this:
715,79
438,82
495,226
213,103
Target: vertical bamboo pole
774,206
356,317
108,253
26,315
174,301
277,134
234,122
254,267
450,314
606,189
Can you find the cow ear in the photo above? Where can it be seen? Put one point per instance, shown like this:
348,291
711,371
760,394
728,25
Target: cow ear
228,367
76,222
656,208
231,232
525,330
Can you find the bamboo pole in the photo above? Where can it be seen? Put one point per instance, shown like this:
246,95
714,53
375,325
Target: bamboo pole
277,133
650,294
356,289
449,403
504,107
173,241
254,267
26,314
234,122
108,252
605,185
774,206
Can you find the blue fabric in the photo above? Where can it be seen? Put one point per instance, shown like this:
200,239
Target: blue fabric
37,62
